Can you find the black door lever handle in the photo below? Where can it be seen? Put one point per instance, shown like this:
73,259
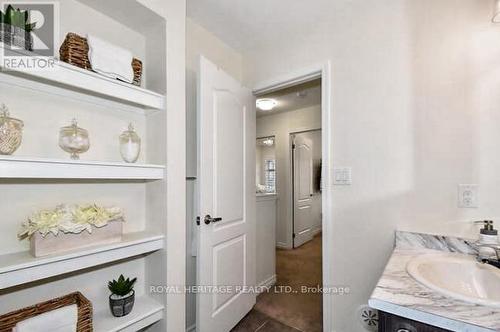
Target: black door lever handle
208,219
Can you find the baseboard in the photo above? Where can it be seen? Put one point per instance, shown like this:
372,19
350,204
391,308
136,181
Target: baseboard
268,283
191,328
316,231
282,245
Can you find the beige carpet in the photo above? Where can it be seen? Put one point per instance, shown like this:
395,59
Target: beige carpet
296,268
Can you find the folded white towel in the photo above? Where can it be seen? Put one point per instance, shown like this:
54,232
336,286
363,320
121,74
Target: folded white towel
110,60
59,320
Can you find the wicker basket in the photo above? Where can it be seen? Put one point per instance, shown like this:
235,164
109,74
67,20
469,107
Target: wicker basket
84,324
75,51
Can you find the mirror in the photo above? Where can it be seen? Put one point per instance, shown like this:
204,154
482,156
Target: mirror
266,165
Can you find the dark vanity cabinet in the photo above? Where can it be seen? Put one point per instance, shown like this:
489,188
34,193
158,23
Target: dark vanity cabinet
391,323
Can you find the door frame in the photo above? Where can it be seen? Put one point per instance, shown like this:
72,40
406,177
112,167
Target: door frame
320,71
292,176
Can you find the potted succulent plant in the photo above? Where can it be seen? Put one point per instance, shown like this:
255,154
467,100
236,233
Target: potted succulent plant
122,298
15,29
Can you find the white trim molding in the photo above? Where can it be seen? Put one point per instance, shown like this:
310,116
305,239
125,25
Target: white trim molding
286,81
282,245
316,231
268,283
324,72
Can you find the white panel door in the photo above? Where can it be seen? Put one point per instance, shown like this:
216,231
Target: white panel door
226,202
303,220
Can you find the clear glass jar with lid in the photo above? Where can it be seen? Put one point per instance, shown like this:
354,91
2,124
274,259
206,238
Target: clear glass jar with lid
130,145
74,140
11,132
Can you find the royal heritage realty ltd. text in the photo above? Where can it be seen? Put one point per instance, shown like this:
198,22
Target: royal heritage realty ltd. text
336,290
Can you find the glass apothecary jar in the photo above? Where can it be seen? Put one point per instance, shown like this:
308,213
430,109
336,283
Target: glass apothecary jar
130,145
74,140
11,132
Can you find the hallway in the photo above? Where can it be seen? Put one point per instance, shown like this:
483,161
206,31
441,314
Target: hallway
299,311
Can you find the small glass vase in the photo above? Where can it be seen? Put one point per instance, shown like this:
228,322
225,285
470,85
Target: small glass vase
74,140
130,145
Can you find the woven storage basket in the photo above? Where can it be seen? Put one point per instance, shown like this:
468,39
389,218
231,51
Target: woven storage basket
75,50
84,324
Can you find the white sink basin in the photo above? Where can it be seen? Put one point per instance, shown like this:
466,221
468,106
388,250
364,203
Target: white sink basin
458,276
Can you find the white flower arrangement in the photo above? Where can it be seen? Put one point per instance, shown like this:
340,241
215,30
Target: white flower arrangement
70,219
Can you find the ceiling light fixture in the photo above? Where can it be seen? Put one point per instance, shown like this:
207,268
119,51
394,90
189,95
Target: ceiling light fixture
496,13
266,104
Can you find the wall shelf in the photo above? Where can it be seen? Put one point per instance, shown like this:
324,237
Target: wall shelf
82,82
20,268
40,174
146,312
39,168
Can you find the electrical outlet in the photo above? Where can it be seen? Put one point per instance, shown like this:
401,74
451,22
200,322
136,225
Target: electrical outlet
468,196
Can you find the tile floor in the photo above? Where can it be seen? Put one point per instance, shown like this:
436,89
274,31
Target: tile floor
277,311
256,321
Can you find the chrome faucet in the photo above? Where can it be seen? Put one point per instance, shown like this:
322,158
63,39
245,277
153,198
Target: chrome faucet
496,249
488,238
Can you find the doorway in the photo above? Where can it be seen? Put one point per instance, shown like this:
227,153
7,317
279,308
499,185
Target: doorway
288,210
323,72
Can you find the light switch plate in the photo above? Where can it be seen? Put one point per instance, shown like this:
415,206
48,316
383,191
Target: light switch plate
468,195
342,176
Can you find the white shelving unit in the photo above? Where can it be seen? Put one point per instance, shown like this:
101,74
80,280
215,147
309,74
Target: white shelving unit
146,312
20,268
38,168
71,81
47,99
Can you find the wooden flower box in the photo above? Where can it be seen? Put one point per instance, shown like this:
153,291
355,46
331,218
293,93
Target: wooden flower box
63,242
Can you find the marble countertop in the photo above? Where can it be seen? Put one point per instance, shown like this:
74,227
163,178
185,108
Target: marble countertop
399,294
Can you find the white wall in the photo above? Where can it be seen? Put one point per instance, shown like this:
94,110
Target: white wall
199,42
258,165
190,259
265,233
174,12
415,112
281,125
